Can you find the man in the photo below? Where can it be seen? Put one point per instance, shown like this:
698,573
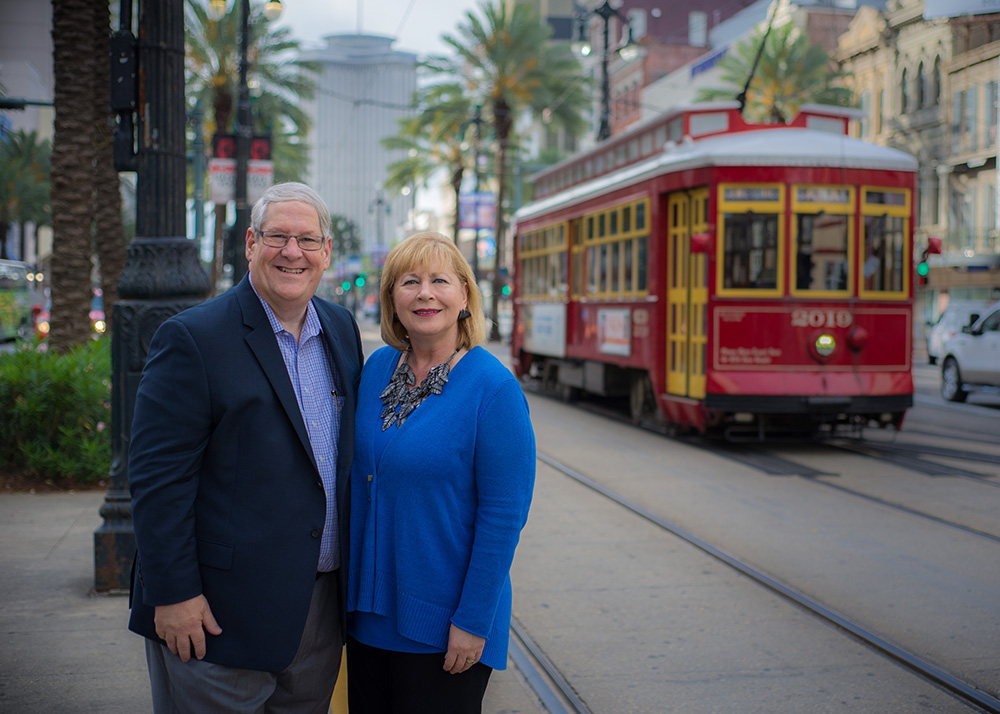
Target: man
239,468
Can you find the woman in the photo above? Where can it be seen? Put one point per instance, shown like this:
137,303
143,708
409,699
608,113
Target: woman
444,465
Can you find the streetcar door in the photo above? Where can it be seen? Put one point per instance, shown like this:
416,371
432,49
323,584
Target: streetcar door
687,294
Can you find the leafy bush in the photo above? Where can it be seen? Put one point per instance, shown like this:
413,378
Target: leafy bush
56,411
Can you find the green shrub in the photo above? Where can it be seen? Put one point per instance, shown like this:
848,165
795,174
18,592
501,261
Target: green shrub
55,411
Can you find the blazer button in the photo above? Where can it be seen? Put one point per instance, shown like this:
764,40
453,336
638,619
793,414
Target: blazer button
316,532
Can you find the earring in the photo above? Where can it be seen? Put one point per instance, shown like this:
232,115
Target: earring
464,315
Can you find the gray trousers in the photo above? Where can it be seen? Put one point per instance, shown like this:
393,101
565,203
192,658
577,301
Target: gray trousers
304,687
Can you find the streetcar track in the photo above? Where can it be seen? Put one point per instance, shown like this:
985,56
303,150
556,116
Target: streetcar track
964,436
905,509
958,687
542,675
907,459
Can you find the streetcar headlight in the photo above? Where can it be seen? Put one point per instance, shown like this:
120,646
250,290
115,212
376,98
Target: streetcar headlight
825,345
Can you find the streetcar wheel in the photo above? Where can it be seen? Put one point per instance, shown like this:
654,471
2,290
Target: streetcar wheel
642,402
951,382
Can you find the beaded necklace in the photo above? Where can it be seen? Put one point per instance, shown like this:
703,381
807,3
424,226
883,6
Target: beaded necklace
400,398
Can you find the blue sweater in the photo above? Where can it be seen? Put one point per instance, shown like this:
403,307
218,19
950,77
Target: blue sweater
436,519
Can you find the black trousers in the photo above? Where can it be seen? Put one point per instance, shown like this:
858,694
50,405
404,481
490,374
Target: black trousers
387,682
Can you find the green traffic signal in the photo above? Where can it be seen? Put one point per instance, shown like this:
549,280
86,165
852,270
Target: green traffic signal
346,285
923,269
505,290
360,281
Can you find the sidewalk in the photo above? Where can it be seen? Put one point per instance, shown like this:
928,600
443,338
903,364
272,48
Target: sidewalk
65,649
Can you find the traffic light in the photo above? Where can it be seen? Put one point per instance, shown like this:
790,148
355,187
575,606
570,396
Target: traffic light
359,280
505,290
923,269
346,285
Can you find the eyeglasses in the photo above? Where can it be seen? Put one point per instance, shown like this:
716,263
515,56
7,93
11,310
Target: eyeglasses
280,240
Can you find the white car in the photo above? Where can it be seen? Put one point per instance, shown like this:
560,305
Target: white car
958,314
971,359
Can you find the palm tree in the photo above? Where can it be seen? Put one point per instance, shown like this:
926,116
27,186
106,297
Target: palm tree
24,184
73,155
279,83
507,58
432,139
791,72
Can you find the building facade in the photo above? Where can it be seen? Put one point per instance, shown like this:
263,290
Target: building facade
928,86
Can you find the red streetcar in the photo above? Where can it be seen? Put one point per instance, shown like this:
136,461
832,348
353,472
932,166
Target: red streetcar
727,277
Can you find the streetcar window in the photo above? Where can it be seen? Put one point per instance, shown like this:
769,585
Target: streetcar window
750,251
641,274
628,281
577,272
602,284
615,286
884,245
821,259
602,225
626,219
640,216
613,223
592,270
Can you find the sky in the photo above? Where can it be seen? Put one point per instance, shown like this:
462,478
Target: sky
417,25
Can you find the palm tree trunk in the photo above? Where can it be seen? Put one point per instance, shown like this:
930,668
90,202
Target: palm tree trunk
456,185
72,169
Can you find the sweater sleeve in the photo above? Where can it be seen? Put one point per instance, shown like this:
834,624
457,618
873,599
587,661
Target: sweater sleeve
504,465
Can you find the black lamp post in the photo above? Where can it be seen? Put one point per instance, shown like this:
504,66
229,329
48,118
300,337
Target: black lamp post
605,12
162,273
477,121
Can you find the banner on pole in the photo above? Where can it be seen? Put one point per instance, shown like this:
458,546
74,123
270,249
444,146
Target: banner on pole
222,179
476,210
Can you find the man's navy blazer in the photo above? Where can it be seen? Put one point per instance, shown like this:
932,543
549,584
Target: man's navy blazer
227,499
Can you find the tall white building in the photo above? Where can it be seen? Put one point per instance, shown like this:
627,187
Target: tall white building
363,89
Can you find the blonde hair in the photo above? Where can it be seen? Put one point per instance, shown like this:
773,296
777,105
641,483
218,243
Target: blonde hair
427,250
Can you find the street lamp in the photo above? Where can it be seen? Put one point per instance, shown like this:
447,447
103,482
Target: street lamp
477,121
162,273
244,125
582,46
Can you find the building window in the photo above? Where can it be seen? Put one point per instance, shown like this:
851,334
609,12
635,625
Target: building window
904,97
866,124
957,120
972,118
921,87
879,111
991,113
936,82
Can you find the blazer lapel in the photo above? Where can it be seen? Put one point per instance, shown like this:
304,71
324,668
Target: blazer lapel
262,342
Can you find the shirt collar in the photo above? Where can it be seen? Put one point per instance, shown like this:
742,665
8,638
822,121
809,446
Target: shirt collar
310,328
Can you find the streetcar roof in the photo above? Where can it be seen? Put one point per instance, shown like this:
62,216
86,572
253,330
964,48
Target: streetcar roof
785,146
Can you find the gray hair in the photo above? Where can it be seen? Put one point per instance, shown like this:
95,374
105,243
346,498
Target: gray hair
290,191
